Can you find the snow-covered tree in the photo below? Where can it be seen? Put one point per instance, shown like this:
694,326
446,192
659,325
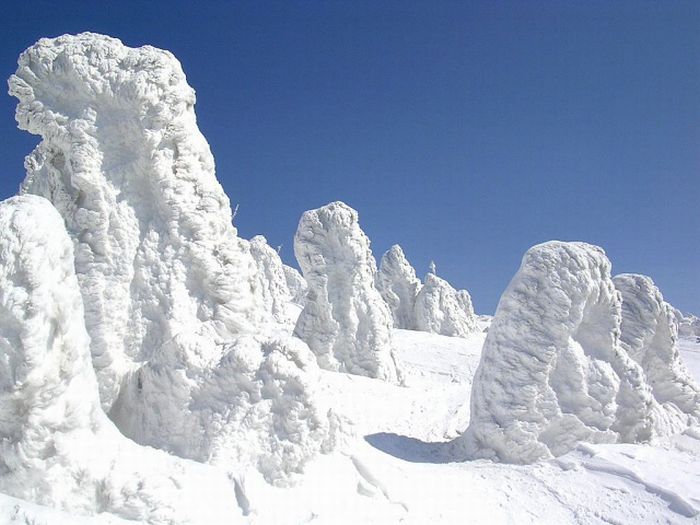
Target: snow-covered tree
439,309
398,284
345,320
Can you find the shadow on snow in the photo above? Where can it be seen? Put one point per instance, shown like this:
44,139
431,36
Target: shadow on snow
412,449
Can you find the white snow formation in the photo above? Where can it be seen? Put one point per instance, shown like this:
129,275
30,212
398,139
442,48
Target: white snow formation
649,335
465,301
345,321
168,286
441,310
272,279
57,447
296,284
552,371
688,325
398,284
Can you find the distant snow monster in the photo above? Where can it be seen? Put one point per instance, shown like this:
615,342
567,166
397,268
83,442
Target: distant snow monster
649,335
172,295
552,371
57,447
440,310
272,279
399,286
345,320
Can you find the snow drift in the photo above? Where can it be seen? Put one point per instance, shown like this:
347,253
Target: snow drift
649,335
398,284
169,289
441,310
58,448
552,371
345,320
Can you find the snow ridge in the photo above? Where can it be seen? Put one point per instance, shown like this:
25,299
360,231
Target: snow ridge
345,320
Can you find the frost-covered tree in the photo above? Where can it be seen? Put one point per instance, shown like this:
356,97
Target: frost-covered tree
296,284
345,320
272,279
649,335
398,284
553,371
439,309
57,447
169,288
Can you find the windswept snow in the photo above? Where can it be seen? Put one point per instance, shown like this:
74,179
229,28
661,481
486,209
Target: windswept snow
58,448
552,371
399,286
170,291
344,321
649,336
440,310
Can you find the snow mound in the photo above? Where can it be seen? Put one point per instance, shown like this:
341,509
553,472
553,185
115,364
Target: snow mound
272,279
345,320
168,286
552,371
123,161
439,309
649,335
398,284
58,448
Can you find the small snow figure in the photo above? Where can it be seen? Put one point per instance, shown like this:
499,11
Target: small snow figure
431,268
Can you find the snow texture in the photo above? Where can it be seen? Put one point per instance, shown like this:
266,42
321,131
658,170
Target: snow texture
552,371
57,447
272,279
296,285
345,321
439,309
123,161
688,325
649,336
169,289
398,284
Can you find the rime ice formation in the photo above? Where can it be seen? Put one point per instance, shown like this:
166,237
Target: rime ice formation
440,310
272,279
344,321
398,284
296,284
169,289
552,370
688,325
465,302
58,448
649,336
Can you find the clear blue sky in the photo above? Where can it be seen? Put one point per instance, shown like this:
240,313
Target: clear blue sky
464,131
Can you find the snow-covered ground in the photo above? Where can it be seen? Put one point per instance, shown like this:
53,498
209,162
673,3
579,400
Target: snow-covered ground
392,465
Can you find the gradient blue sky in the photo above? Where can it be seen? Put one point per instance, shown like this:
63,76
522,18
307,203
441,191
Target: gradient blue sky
464,131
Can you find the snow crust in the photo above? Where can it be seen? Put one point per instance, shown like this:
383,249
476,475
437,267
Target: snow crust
399,286
345,320
58,448
553,372
440,309
172,295
649,336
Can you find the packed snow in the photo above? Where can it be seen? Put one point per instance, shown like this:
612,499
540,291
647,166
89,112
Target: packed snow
127,297
345,322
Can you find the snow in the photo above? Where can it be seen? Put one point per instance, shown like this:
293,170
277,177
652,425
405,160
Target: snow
180,312
440,310
649,336
58,448
345,321
552,372
190,329
398,284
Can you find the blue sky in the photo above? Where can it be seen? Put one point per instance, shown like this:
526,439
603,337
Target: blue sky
464,131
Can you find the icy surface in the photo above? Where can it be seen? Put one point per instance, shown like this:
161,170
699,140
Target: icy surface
345,321
649,336
58,448
441,310
398,284
552,371
169,289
